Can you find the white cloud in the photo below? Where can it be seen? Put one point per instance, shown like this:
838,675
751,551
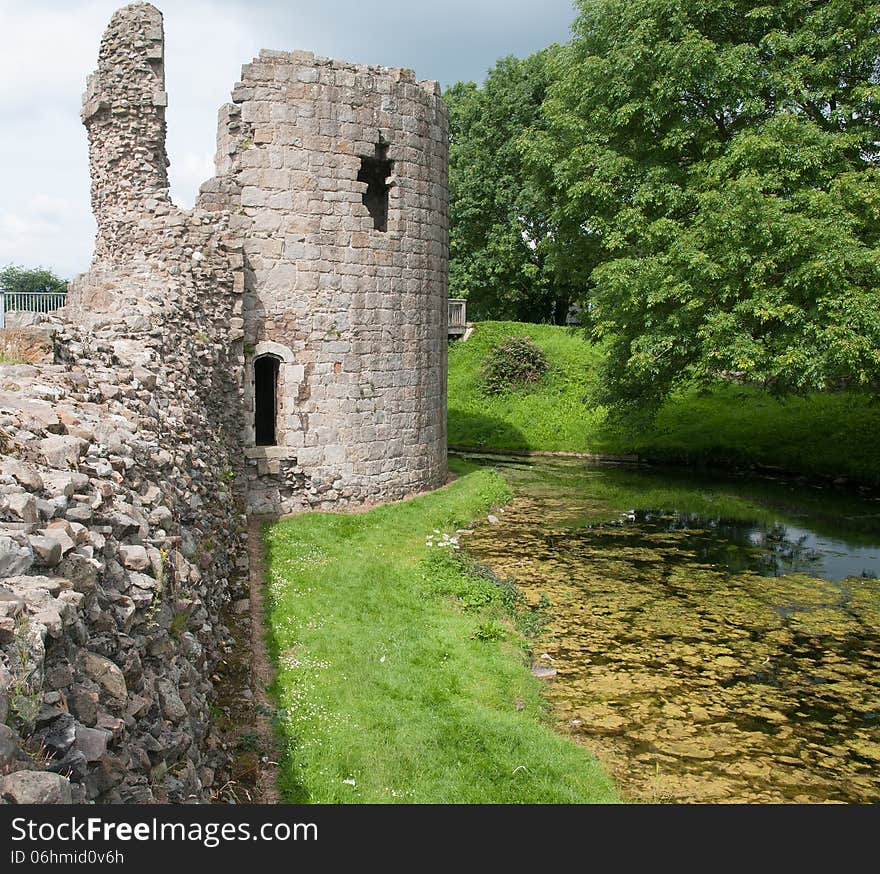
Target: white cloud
189,173
46,231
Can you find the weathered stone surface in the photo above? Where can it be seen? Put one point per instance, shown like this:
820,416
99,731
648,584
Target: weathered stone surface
105,673
92,742
81,571
65,483
161,517
83,704
22,508
172,707
47,550
35,787
12,758
26,474
14,557
35,413
21,585
61,452
134,557
61,530
23,319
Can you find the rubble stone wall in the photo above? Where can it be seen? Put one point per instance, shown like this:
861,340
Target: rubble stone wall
121,536
124,114
127,456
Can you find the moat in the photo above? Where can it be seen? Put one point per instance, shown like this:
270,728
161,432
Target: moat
714,639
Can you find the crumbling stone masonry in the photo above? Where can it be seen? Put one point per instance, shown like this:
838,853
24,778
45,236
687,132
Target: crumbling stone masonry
330,208
279,347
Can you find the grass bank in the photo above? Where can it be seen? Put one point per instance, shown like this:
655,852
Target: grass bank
401,676
821,434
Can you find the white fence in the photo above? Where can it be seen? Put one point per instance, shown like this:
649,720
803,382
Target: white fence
30,302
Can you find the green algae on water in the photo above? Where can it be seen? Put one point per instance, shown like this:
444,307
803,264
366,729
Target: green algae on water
714,640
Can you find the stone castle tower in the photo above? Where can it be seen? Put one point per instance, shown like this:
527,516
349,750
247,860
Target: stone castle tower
314,263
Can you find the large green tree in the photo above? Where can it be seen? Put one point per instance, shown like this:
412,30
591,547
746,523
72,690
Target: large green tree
21,279
504,253
720,160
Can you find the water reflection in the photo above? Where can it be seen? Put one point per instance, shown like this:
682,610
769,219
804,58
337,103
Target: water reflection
768,548
703,656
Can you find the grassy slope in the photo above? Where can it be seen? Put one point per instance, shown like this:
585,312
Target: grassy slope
551,418
381,678
824,434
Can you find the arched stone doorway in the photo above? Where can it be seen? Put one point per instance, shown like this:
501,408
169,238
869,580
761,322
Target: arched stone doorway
272,378
266,369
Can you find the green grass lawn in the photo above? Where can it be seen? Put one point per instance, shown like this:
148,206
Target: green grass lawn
402,676
828,434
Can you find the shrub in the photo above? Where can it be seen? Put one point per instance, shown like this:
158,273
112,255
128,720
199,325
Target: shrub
515,363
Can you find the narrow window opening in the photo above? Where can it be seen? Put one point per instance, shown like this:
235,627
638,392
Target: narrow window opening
374,171
265,400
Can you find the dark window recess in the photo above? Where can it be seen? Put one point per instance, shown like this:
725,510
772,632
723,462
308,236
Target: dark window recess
374,171
265,400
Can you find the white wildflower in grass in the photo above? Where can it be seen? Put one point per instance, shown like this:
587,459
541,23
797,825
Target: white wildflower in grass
288,632
445,541
309,722
293,660
278,586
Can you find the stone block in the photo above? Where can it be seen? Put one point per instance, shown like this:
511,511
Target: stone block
92,742
61,452
134,557
105,673
15,558
47,550
35,787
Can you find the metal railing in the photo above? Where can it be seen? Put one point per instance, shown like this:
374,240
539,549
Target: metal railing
457,318
30,302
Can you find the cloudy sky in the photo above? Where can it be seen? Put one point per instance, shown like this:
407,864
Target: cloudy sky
50,46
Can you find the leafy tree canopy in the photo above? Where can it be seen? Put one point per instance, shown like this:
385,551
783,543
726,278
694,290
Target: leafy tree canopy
719,161
20,279
503,253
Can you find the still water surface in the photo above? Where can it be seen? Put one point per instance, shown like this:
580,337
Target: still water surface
714,639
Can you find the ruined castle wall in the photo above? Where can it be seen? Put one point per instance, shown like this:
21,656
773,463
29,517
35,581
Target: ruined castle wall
124,114
355,315
127,458
121,536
